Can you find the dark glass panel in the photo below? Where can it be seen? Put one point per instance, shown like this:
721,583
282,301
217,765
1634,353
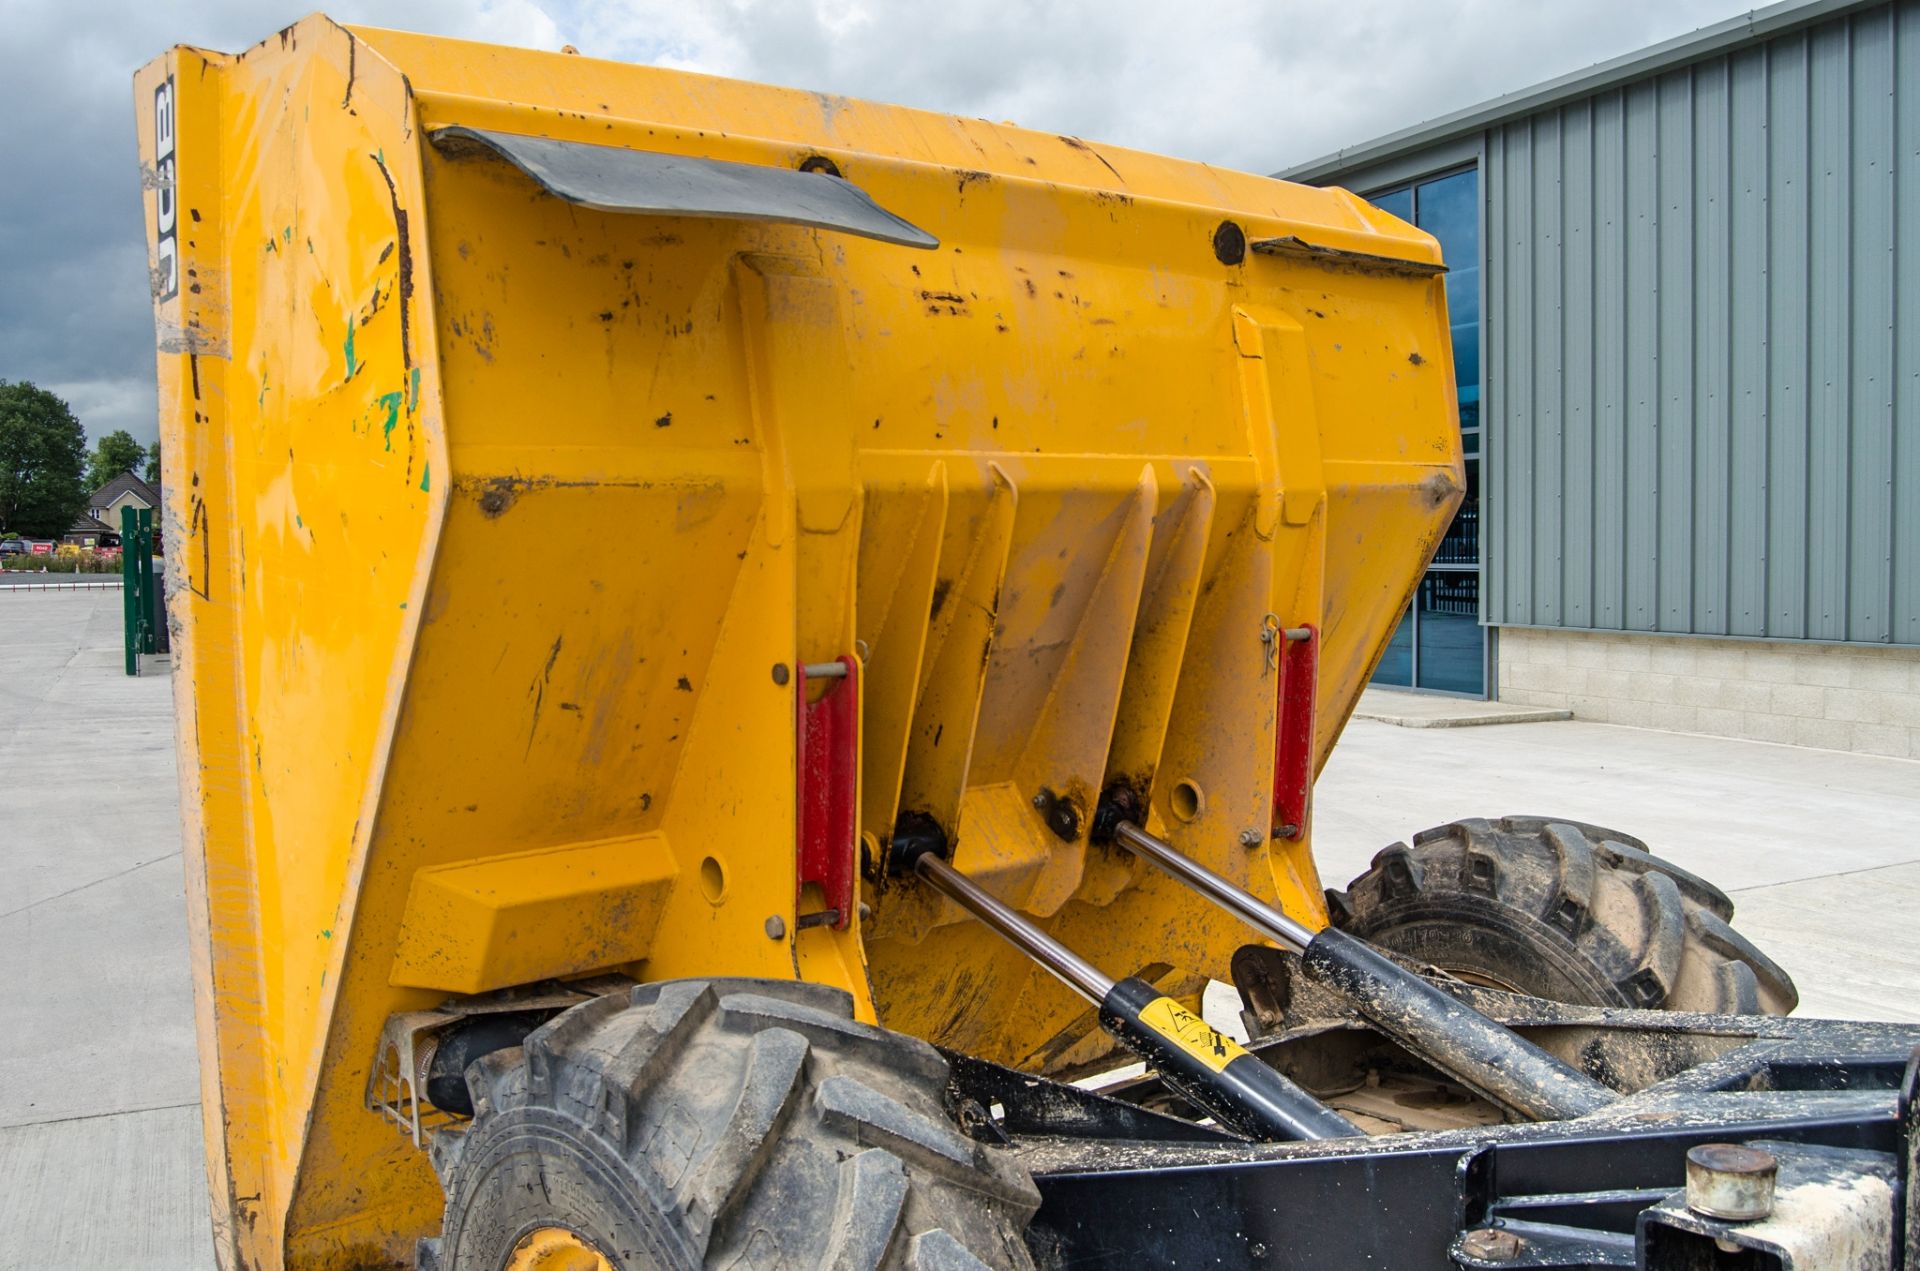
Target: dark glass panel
1461,544
1470,414
1449,209
1396,202
1444,620
1463,291
1396,664
1466,356
1452,645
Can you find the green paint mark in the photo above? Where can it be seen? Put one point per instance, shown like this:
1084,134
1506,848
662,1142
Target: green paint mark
392,402
286,234
403,604
426,474
298,523
327,932
271,247
413,391
352,363
261,401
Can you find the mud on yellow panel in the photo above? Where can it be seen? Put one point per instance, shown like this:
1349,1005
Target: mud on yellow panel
491,518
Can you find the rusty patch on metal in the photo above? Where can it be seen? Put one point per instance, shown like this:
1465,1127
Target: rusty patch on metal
499,495
406,263
1349,261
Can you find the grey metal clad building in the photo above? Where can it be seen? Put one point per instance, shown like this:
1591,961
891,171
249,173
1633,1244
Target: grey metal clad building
1686,295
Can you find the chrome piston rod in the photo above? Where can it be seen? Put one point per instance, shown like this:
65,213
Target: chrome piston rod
1242,904
1476,1051
1069,967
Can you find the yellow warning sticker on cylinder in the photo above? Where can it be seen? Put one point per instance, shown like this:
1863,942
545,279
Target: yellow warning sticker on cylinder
1190,1033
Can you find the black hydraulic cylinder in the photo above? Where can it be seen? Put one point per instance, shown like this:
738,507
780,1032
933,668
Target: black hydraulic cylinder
1210,1069
1480,1053
1476,1051
1214,1071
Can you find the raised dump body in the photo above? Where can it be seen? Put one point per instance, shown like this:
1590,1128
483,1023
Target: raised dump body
606,504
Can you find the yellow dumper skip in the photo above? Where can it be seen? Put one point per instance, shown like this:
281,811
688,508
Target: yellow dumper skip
516,466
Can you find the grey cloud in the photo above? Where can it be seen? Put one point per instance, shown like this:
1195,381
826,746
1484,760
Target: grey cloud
1253,86
74,313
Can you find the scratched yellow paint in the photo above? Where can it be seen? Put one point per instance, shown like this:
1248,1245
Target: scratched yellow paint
490,517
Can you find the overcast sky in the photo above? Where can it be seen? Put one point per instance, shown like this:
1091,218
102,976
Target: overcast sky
1253,85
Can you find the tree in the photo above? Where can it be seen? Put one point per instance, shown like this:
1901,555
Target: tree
43,455
153,464
116,455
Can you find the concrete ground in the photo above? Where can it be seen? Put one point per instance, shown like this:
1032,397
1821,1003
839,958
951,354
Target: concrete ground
100,1158
1814,846
1432,710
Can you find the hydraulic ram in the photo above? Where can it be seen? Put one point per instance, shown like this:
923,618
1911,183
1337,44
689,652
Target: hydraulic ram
1206,1066
1476,1051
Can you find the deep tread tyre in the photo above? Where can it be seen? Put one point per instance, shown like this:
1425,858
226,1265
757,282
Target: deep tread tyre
725,1123
1562,910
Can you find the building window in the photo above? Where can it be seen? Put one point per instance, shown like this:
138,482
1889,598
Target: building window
1440,645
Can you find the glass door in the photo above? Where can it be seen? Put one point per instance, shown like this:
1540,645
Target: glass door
1440,645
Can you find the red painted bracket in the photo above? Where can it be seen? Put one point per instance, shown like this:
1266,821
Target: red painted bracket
827,785
1298,673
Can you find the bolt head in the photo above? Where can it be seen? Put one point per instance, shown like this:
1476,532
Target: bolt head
776,927
1040,800
1250,838
1490,1244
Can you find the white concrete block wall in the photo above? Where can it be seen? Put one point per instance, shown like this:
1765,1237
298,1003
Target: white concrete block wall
1853,698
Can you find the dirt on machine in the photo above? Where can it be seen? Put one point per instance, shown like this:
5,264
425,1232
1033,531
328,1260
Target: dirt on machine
734,645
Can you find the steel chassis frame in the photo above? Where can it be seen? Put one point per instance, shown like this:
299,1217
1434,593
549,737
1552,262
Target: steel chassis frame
1126,1185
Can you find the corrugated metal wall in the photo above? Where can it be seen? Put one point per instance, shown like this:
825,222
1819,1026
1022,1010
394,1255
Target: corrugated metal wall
1703,347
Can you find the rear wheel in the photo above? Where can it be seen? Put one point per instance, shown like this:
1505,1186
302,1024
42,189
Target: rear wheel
1562,910
720,1123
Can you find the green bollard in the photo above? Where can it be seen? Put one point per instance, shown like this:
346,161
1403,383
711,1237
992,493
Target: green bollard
130,587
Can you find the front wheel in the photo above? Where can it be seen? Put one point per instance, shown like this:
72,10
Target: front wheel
1562,910
721,1123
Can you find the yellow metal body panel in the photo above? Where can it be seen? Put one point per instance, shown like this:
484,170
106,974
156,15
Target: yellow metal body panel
530,916
490,515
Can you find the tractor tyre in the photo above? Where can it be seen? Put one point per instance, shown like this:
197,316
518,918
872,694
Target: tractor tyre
1562,910
720,1123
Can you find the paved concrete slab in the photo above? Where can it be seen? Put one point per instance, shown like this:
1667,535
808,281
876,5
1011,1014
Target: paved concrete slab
123,1191
100,1158
1752,817
1846,938
1430,710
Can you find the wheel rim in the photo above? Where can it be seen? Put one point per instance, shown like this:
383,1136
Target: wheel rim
555,1249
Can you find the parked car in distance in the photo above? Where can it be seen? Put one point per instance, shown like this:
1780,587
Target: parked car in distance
13,547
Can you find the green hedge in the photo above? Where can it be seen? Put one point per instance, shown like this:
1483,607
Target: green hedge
65,560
